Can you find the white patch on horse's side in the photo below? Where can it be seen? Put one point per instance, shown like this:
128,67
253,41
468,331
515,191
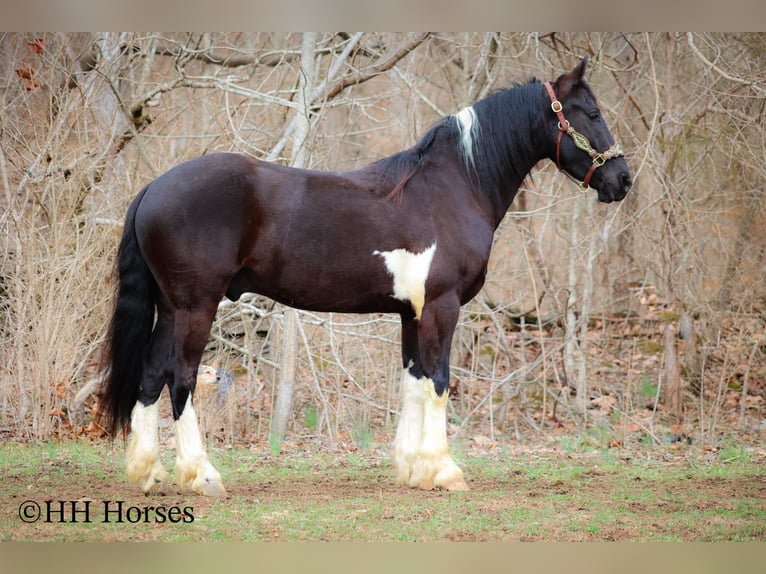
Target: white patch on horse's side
421,453
143,454
468,126
193,470
410,271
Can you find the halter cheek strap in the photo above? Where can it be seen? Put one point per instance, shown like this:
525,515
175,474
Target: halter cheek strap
580,141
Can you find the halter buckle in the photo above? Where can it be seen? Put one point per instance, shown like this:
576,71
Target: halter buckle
599,159
556,106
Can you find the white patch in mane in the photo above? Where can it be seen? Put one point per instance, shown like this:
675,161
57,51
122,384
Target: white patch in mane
468,126
410,271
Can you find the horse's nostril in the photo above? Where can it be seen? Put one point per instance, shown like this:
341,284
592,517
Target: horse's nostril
625,181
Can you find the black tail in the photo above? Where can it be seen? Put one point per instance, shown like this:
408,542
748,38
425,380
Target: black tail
130,330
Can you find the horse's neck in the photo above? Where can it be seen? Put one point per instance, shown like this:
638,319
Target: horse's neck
503,192
515,156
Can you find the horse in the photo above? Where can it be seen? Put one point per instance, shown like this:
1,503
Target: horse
408,234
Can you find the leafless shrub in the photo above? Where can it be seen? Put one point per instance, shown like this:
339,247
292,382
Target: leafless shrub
589,315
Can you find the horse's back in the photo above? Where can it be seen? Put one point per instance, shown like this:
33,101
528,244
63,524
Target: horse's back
206,183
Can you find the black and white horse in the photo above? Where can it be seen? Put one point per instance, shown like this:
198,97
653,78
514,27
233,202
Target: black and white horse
409,234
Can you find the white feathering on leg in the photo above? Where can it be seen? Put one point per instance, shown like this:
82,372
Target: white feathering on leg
193,470
143,454
409,429
421,452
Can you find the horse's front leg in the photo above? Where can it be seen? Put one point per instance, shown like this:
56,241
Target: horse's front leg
421,453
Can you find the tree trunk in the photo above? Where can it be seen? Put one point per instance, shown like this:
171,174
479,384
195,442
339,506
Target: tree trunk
746,225
574,358
672,384
288,356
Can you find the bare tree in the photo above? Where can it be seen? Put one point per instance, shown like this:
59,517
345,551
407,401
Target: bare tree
663,295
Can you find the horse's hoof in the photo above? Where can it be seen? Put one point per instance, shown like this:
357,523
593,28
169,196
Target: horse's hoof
154,487
211,488
458,485
153,482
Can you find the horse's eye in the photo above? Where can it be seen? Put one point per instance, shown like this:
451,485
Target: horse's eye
594,115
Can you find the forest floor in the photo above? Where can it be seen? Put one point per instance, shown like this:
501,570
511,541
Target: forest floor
565,491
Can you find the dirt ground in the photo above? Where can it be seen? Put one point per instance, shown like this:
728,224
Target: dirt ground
337,500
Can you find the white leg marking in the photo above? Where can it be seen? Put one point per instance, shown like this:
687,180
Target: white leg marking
468,125
421,453
410,271
143,454
410,427
193,470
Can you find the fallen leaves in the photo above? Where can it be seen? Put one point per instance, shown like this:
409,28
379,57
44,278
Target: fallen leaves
25,71
36,46
604,404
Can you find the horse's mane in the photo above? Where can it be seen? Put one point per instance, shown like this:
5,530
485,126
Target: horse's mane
496,142
402,166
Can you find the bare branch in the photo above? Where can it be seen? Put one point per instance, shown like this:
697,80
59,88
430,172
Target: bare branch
231,61
722,73
374,70
269,58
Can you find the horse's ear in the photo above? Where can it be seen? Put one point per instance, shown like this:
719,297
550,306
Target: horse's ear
567,82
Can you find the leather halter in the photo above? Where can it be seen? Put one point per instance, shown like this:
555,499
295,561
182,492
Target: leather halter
580,141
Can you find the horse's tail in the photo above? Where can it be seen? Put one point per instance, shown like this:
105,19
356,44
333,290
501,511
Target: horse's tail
130,330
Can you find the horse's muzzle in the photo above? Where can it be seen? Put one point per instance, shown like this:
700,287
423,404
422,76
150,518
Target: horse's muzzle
616,191
625,183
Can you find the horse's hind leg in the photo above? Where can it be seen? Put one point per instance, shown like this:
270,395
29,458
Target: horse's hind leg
421,453
143,453
193,470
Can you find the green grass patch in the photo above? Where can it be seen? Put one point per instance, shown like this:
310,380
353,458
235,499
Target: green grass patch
569,493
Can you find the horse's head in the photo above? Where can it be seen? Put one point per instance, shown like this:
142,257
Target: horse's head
581,144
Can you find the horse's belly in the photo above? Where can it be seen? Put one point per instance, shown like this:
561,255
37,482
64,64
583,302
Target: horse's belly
321,288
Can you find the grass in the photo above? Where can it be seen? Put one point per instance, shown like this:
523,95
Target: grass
554,495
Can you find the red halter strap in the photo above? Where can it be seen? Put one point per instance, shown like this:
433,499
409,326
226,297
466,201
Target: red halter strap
558,109
565,128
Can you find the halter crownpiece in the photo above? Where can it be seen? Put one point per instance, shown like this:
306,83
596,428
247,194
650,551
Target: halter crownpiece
580,141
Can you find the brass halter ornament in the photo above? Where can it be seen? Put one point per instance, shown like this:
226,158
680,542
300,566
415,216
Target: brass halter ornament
580,141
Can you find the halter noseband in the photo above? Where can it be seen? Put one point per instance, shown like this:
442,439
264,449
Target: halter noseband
580,141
